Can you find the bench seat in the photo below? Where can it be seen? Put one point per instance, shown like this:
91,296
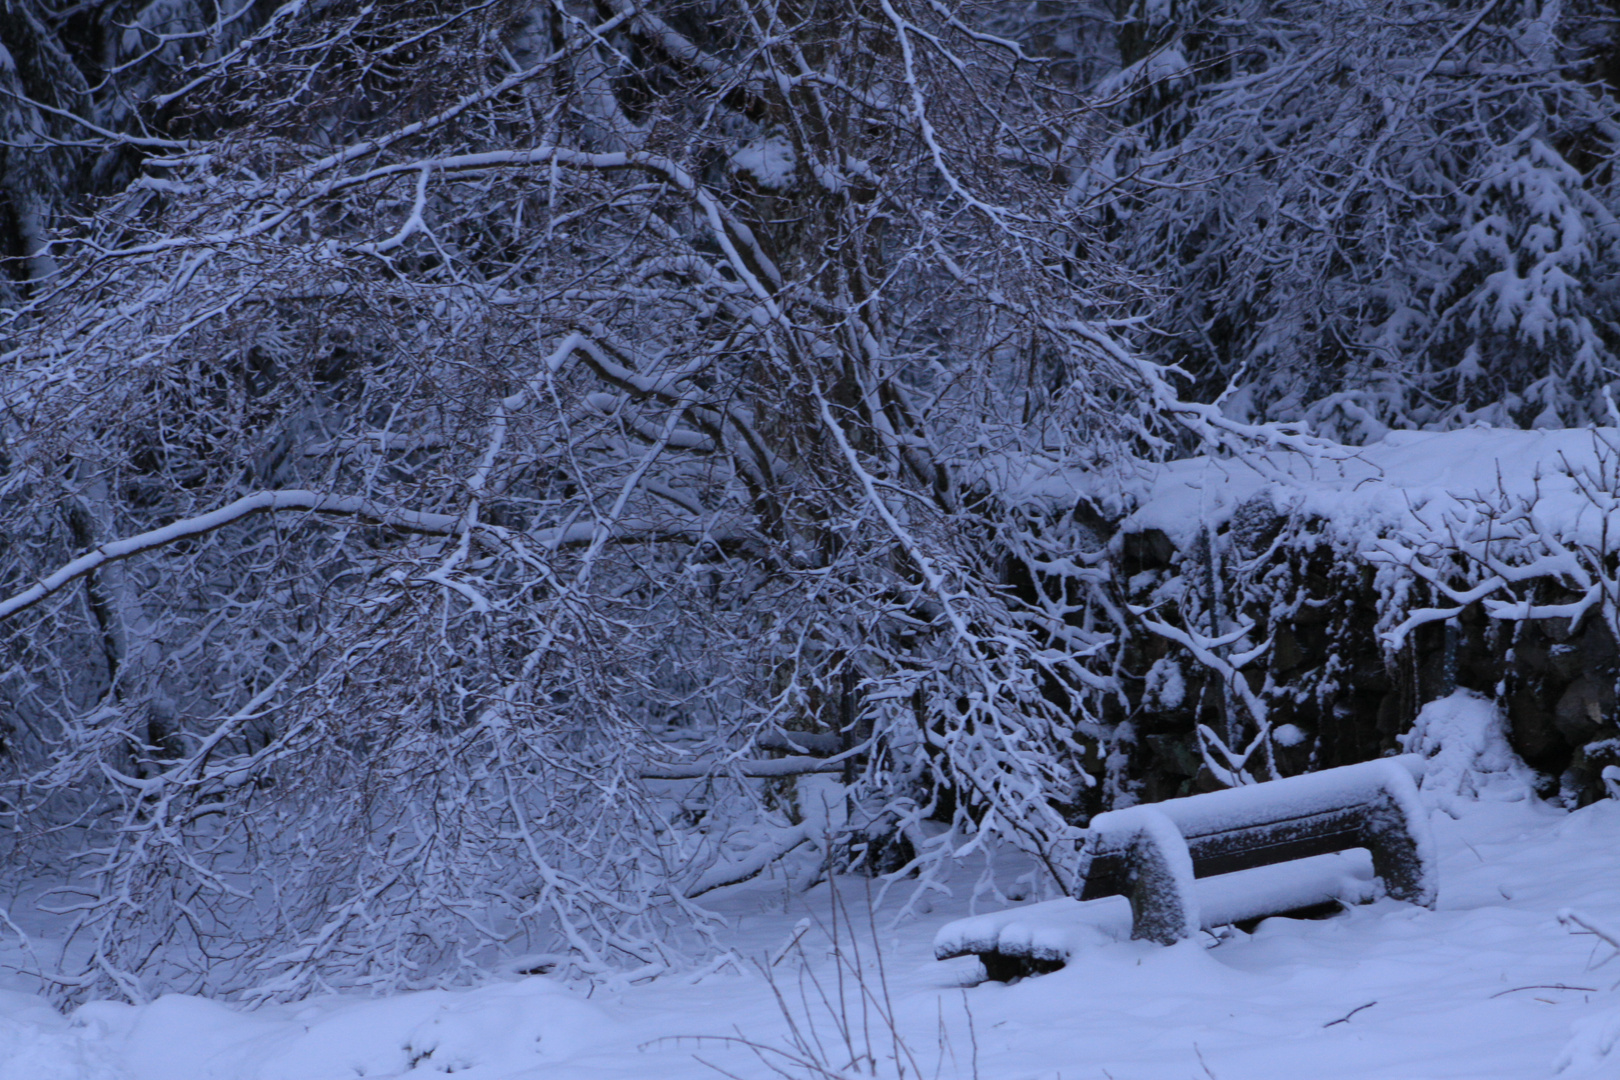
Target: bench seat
1044,936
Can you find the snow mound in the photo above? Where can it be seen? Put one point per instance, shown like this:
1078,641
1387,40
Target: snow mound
1591,1053
38,1044
490,1033
1464,739
495,1032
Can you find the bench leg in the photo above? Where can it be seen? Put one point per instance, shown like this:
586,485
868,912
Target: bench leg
1403,855
1164,907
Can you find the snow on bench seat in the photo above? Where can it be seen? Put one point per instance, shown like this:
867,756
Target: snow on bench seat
1051,933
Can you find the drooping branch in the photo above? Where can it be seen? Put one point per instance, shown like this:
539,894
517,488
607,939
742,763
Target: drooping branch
309,502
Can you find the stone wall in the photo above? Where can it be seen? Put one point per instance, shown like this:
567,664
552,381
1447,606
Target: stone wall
1332,688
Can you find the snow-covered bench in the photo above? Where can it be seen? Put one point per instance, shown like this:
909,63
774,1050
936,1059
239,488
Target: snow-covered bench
1153,855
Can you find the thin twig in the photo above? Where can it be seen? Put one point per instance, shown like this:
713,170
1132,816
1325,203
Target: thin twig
1545,986
1569,915
1346,1017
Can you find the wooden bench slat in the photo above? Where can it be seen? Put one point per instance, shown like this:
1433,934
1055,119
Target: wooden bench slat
1266,848
1242,849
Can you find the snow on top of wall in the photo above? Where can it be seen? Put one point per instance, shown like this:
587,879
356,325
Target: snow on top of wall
1410,482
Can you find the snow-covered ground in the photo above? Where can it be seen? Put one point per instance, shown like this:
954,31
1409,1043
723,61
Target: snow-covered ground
1489,985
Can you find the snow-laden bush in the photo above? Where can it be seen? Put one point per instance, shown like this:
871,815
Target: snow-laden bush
1465,741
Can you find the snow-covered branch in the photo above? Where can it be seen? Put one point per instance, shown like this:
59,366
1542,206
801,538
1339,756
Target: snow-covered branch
264,502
